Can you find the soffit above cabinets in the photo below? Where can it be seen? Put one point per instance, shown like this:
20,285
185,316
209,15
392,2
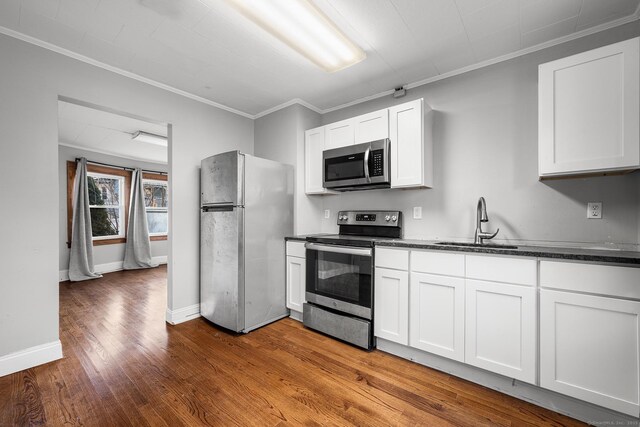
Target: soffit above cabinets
206,50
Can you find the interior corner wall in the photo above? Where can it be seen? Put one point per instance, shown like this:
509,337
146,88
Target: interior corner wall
102,254
279,136
31,79
486,144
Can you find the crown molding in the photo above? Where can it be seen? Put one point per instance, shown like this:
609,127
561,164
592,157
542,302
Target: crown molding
288,104
125,73
583,33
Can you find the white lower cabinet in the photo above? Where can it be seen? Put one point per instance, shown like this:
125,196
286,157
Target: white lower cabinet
590,348
296,275
295,282
501,328
391,308
436,320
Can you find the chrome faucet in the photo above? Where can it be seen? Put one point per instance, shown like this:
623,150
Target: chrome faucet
481,216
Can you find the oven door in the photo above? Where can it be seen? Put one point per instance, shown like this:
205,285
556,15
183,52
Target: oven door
340,278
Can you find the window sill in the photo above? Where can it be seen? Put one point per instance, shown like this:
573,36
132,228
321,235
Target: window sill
120,240
115,241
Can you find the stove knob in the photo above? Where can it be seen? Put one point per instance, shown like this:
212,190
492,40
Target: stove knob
343,217
394,218
387,218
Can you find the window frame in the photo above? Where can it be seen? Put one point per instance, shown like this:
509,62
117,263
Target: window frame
147,176
126,194
127,174
121,207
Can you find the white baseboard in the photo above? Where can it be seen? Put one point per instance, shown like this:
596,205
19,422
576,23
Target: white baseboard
109,267
183,314
30,357
295,315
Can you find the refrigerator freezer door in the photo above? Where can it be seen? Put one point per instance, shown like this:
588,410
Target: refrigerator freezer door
268,219
222,267
221,179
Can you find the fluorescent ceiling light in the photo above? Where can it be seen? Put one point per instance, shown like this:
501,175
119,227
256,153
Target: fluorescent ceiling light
150,138
305,28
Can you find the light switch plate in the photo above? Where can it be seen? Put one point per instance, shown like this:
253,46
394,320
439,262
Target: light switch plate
417,212
594,210
327,213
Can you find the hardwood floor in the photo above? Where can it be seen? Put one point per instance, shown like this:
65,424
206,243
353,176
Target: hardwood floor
124,365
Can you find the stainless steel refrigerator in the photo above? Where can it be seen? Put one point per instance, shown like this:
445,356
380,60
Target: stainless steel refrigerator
246,211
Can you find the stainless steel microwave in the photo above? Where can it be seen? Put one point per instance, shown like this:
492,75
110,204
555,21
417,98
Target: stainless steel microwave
357,167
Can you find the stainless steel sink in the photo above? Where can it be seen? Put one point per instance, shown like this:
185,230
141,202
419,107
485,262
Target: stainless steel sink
477,245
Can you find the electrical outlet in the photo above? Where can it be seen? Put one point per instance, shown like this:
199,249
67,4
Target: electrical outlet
417,212
327,213
594,210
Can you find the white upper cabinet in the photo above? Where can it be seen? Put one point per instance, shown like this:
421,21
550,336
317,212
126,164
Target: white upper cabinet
339,134
372,126
411,147
589,112
313,147
407,125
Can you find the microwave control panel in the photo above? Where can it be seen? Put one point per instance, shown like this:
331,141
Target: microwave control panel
376,163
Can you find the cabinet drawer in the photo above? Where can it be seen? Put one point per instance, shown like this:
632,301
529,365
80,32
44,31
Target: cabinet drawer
296,249
397,259
521,271
437,263
591,278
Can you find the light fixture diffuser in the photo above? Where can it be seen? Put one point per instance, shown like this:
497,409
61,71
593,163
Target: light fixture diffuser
306,29
149,138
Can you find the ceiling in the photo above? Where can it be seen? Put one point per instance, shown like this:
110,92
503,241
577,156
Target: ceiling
206,50
108,133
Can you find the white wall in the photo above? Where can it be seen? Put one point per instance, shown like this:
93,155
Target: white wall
485,144
280,136
103,254
31,79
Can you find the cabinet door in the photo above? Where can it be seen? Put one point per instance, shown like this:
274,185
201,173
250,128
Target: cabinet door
295,282
372,126
391,308
589,348
313,146
588,111
501,329
436,322
339,134
406,131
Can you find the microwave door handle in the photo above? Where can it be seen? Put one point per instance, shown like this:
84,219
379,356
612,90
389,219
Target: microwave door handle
366,164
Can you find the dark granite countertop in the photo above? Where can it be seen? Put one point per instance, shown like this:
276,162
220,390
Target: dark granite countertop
630,258
302,237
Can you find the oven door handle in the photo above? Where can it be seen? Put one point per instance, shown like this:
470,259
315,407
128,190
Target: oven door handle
338,249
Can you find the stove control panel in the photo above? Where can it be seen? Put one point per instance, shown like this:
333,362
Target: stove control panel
371,218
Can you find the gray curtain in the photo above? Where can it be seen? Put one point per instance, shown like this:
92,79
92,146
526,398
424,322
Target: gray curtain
137,251
81,255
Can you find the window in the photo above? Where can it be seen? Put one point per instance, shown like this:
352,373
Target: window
106,201
155,202
109,192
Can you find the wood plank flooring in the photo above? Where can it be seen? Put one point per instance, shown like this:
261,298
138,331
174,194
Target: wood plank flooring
124,365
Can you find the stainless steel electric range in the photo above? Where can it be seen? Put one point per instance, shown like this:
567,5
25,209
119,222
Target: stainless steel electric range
340,275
